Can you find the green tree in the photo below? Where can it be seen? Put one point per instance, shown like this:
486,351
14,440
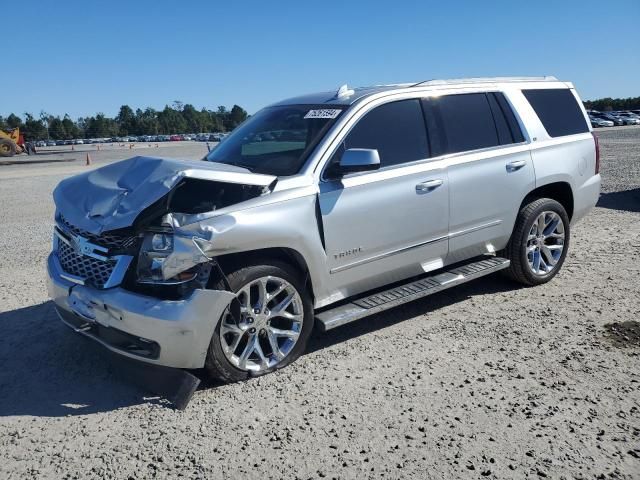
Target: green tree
56,129
126,120
101,126
194,119
237,116
33,129
70,128
171,121
14,121
147,122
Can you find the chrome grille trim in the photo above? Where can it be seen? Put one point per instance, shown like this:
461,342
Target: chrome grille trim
109,240
85,259
98,272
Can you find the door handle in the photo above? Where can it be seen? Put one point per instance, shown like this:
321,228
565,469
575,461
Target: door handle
515,165
429,185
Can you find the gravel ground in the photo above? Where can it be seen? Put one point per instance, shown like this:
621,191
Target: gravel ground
486,380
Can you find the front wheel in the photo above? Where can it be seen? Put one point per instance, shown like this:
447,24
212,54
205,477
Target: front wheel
269,328
539,243
7,148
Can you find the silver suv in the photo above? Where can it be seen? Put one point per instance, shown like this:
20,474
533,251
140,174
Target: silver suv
322,209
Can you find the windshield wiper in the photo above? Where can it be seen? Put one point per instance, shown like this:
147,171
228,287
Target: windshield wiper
240,165
250,168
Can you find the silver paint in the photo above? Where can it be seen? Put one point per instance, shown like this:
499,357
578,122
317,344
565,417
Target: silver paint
397,221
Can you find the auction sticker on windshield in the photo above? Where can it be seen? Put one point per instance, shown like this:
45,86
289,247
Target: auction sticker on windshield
323,113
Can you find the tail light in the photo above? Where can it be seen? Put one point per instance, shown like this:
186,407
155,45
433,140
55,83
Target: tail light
597,142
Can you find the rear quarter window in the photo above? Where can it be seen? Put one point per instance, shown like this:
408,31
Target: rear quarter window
558,111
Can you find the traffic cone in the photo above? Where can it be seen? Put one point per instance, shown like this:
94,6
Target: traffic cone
88,159
73,147
98,147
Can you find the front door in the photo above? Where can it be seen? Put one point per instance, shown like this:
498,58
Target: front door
391,224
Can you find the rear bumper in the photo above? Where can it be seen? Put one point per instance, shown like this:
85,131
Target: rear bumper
161,332
585,198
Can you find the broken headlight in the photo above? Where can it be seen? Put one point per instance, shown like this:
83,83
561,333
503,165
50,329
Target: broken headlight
155,251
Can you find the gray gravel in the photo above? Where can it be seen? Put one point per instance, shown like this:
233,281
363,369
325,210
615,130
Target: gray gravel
486,380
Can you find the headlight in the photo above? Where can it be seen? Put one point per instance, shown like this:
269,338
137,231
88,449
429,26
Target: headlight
156,249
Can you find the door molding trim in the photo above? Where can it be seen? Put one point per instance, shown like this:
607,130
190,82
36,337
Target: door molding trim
474,229
390,253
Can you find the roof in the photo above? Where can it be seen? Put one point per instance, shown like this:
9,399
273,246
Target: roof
333,98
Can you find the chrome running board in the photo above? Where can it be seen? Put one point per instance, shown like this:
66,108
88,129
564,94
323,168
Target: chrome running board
408,292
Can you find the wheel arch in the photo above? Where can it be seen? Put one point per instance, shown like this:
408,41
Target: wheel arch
561,192
293,258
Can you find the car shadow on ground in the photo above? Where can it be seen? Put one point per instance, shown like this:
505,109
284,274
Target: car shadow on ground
48,370
426,306
628,200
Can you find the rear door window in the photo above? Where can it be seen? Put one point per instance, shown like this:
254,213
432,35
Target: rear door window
458,123
509,130
558,111
395,129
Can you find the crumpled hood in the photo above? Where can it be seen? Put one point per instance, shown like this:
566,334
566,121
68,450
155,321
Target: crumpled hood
111,197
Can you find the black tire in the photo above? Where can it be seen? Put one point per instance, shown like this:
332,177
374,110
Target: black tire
516,249
217,365
7,148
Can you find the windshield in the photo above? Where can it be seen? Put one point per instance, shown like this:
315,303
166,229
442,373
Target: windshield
276,140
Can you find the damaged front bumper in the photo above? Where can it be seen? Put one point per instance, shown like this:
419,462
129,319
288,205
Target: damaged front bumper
173,333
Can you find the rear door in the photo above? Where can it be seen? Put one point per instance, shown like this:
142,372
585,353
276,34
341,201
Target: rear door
389,224
489,167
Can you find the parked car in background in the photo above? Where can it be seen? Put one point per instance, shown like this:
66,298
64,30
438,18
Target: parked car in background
600,122
51,143
608,116
41,143
628,118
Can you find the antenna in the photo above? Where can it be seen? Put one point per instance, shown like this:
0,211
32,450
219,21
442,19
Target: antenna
344,92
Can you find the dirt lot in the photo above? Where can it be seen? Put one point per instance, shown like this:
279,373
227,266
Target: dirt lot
487,380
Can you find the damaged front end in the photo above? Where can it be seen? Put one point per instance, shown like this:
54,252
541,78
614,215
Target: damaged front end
131,264
132,216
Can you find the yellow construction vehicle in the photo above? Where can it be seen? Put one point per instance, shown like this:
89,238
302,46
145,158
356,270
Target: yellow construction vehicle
12,142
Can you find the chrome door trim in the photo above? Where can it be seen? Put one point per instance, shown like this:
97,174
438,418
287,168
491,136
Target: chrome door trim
474,229
390,253
319,161
380,256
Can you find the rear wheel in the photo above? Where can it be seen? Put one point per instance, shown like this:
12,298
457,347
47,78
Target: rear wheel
269,327
7,148
539,243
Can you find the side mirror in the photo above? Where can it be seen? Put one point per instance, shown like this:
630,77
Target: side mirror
359,160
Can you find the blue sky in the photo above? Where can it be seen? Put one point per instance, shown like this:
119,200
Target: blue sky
86,57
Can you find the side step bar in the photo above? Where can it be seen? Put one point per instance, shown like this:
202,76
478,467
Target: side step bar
378,302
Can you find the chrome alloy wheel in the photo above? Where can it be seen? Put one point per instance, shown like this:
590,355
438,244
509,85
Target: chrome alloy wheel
545,243
271,316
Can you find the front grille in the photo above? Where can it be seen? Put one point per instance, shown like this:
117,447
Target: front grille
95,271
109,240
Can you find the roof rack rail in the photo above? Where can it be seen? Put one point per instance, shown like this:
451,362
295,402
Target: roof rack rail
547,78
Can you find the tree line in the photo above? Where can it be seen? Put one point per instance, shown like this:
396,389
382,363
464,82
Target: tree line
178,118
609,104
